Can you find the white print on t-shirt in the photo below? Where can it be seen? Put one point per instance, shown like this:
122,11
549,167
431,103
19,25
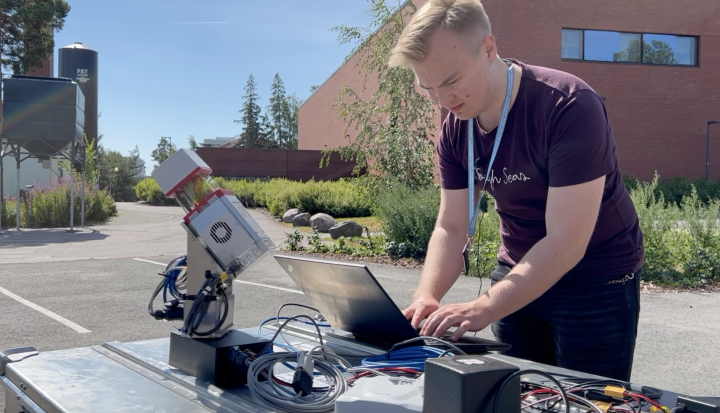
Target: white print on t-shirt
509,178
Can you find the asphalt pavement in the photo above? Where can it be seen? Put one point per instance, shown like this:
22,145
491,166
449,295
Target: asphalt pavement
58,291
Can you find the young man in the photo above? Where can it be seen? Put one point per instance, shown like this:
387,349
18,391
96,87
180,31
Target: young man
566,290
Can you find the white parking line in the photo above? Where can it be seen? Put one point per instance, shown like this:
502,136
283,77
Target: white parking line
237,281
271,286
48,313
151,262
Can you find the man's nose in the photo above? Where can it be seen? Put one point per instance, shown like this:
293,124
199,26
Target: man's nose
446,99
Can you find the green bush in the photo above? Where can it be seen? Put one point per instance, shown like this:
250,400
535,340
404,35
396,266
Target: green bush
702,224
149,191
674,190
483,256
682,242
7,212
665,244
343,198
408,218
48,207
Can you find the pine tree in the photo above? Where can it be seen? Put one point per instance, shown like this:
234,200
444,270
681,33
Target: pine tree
276,109
164,150
251,135
192,143
291,106
26,28
266,134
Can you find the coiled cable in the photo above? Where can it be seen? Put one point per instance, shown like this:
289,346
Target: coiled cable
276,396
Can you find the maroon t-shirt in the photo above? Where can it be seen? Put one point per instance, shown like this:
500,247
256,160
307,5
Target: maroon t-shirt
557,134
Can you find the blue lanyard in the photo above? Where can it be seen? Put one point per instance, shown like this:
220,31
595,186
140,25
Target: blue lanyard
472,209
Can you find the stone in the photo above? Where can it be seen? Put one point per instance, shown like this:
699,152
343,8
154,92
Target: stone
290,214
346,229
301,220
322,222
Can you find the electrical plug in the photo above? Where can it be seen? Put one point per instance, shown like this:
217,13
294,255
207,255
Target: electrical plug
303,376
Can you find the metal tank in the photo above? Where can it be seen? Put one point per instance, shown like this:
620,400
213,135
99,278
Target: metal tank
80,63
43,115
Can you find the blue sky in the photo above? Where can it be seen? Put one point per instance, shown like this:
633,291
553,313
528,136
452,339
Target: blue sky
178,67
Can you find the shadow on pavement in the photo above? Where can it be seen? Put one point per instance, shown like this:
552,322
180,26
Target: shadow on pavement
37,237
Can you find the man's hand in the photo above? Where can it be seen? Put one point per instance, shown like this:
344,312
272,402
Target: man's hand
464,316
420,309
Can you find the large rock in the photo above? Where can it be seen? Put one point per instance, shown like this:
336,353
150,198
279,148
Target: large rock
322,222
301,220
346,229
290,214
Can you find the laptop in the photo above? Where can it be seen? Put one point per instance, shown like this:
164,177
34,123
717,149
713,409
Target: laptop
351,299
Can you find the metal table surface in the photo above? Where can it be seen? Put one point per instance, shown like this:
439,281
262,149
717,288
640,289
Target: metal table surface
136,377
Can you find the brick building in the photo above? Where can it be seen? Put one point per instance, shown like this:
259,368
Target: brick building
659,96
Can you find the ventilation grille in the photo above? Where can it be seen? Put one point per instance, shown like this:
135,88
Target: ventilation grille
217,233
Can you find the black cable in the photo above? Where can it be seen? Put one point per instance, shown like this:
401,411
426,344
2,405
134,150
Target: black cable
159,288
200,304
277,333
296,305
446,352
220,323
498,395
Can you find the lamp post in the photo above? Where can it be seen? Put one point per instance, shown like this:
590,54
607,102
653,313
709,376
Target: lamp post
111,175
707,148
29,198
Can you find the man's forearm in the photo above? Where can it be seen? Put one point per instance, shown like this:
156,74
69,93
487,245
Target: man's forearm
540,269
443,263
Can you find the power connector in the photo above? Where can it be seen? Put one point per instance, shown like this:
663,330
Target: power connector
303,376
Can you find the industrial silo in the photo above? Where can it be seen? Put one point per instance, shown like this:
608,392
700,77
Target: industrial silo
80,63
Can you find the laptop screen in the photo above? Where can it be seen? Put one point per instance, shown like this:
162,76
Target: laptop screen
350,299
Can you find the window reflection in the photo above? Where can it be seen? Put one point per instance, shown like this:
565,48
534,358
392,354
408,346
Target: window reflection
607,46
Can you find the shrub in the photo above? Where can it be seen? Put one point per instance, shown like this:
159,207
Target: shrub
674,190
408,218
149,191
483,256
702,225
48,207
665,243
343,198
682,243
7,212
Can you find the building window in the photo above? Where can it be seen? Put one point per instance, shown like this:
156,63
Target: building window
646,48
572,44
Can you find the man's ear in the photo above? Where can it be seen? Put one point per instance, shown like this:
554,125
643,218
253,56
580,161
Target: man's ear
489,48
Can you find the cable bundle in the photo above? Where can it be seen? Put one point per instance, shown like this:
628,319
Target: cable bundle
412,357
174,280
603,396
202,301
276,394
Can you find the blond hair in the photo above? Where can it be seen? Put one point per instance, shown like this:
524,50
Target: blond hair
466,18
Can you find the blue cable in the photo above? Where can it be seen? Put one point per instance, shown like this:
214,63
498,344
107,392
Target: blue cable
409,357
171,277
